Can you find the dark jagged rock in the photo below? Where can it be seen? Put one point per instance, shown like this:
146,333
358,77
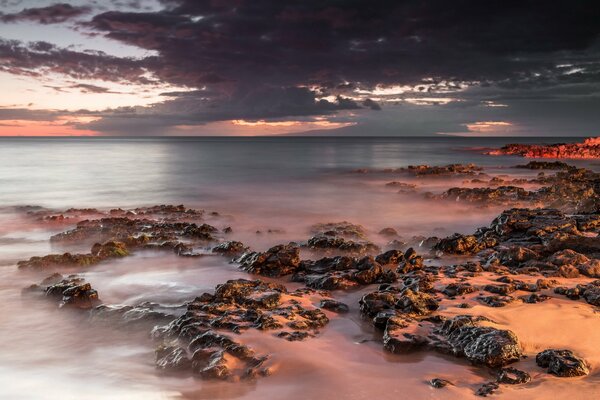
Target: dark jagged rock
342,272
439,383
545,165
485,195
331,243
562,363
159,227
63,260
412,262
458,289
480,344
388,232
236,306
406,302
277,261
146,315
393,257
447,170
72,291
513,376
465,244
500,289
334,305
588,149
496,301
342,229
230,248
487,389
534,298
294,336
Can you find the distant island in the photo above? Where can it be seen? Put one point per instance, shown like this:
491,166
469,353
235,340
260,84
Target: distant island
590,148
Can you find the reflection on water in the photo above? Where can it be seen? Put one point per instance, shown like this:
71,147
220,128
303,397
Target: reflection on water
256,184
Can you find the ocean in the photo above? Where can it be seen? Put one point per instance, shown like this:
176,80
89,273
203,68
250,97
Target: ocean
282,185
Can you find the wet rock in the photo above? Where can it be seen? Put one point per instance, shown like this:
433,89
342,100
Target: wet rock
513,376
397,341
59,260
464,244
393,257
568,271
342,229
486,195
144,315
590,268
388,232
487,389
480,344
236,306
459,289
172,358
586,150
500,289
416,303
550,165
73,291
439,383
277,261
330,243
592,295
341,272
496,301
567,257
442,171
230,248
334,305
407,302
562,363
534,298
412,262
294,336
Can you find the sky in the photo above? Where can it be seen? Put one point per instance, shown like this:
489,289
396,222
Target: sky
300,67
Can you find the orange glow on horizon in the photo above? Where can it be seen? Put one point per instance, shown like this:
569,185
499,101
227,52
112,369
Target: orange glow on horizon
62,126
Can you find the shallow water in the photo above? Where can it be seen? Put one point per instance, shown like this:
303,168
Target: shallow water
255,184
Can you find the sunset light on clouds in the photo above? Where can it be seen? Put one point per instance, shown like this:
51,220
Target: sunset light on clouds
195,68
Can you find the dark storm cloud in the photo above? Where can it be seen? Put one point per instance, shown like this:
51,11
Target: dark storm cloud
332,41
194,108
40,58
256,59
53,14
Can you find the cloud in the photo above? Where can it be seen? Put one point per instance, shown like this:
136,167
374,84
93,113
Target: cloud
267,59
54,14
42,58
194,108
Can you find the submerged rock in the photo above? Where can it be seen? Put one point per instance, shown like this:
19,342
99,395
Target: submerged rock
513,376
71,291
439,383
230,248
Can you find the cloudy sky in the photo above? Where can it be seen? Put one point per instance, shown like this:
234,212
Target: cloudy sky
265,67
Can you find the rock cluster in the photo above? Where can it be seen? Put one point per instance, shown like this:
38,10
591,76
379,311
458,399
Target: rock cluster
590,148
193,341
71,291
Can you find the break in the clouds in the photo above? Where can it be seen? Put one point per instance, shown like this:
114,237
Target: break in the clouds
364,67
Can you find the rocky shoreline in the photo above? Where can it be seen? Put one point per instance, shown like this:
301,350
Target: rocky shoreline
588,149
416,292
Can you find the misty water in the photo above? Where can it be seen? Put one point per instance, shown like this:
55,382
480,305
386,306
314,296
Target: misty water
259,184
